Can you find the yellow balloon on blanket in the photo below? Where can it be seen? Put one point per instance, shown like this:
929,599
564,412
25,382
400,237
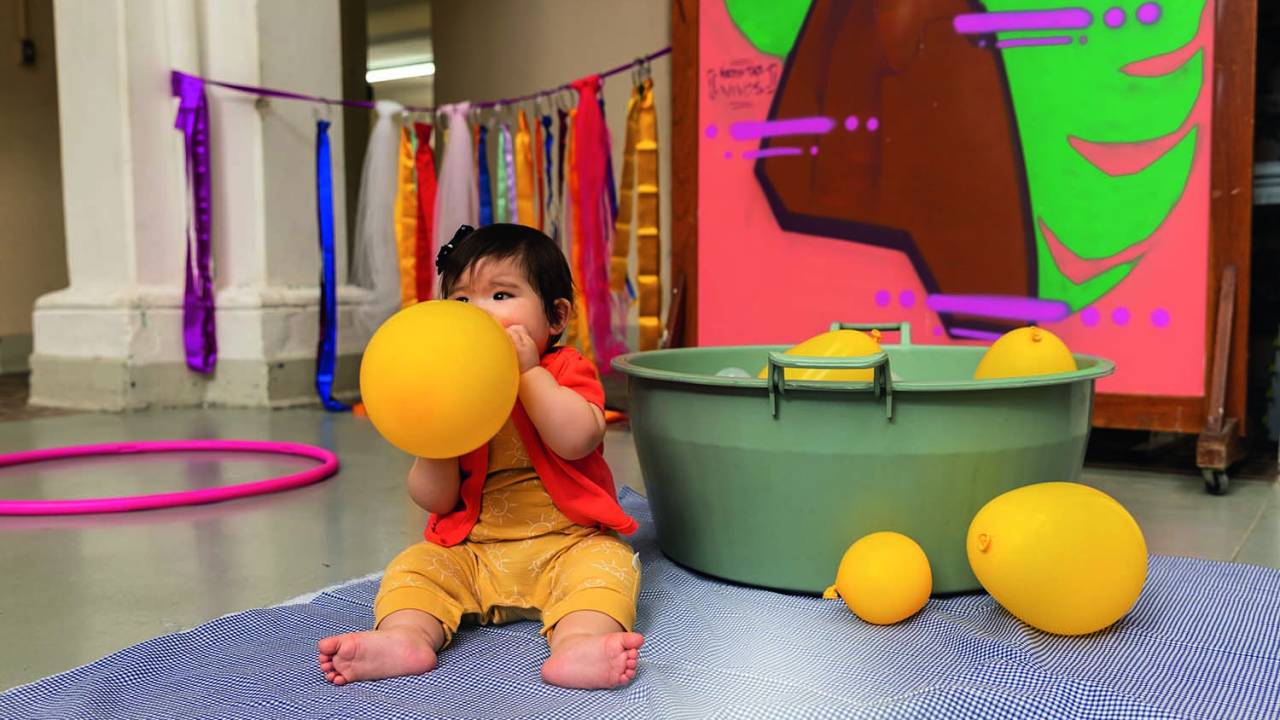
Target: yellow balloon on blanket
884,578
1025,351
439,378
837,343
1061,557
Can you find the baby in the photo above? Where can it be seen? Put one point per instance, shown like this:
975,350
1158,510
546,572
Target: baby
525,527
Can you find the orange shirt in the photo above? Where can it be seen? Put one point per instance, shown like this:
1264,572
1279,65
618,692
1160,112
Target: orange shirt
582,489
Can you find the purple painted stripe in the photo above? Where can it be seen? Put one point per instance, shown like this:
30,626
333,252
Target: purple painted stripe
975,334
771,152
1061,19
1000,306
1034,41
750,130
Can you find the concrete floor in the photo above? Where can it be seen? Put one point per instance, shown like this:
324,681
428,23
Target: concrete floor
77,588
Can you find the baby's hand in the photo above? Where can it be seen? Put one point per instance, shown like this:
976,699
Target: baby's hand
526,349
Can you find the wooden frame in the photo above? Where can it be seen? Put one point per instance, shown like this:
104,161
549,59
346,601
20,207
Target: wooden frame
1230,209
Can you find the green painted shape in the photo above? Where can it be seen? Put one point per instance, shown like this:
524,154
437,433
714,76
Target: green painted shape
1078,90
770,25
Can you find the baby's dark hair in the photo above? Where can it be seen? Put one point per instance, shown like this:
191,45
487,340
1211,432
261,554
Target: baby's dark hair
543,263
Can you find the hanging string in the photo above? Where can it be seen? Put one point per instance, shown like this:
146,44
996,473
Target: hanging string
285,94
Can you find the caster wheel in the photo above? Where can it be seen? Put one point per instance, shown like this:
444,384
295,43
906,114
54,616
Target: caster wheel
1216,482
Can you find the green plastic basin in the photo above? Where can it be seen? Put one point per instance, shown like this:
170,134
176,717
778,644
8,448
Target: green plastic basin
767,482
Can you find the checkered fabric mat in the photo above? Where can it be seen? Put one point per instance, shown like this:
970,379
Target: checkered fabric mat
1203,642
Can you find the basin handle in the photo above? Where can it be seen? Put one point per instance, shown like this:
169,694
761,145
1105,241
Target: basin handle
902,328
881,382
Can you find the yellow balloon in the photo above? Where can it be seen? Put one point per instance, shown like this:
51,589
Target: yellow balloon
1025,351
439,379
837,343
1061,557
884,578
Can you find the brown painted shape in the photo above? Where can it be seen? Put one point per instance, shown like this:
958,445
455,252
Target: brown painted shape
941,179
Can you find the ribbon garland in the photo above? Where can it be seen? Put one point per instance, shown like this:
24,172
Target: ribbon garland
581,220
327,350
199,336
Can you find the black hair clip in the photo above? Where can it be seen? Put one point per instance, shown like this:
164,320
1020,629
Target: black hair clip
463,232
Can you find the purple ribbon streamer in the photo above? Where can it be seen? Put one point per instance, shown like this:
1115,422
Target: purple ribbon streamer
198,335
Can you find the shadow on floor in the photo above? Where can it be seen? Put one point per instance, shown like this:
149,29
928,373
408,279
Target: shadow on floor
1172,453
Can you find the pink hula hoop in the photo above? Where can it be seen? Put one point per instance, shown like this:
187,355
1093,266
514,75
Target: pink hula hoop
328,466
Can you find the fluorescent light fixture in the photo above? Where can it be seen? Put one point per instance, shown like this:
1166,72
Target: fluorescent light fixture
400,72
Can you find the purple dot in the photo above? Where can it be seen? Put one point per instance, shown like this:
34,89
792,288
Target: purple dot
1084,40
1160,317
1148,13
873,124
1114,17
728,154
907,299
882,298
1090,316
813,149
1120,316
937,331
851,123
712,130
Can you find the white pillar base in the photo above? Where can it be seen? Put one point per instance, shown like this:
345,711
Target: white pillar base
124,351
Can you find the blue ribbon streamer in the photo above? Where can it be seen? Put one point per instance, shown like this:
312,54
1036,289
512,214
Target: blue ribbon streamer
610,184
550,192
486,189
327,350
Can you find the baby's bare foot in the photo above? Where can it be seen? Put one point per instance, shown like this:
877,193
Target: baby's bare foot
593,661
375,654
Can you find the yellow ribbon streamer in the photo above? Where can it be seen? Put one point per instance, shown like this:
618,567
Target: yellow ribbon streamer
406,215
526,184
640,179
578,333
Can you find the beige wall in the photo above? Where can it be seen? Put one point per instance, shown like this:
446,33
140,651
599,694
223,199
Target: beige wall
33,257
487,49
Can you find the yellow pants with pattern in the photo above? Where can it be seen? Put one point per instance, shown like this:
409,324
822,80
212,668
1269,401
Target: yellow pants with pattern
524,560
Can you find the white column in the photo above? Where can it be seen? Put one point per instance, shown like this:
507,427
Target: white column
113,339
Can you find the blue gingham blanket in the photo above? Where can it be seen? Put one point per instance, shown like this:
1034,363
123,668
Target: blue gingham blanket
1203,642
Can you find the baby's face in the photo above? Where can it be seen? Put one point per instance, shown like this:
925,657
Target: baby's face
500,288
